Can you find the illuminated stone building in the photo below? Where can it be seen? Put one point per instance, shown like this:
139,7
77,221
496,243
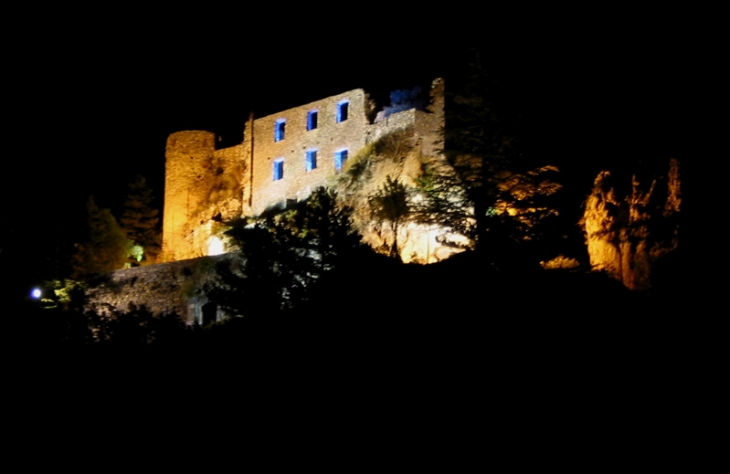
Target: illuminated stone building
283,157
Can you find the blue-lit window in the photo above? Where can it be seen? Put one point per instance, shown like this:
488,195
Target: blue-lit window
340,158
278,169
342,109
311,162
279,129
312,120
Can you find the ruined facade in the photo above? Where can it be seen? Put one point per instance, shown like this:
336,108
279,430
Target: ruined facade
282,157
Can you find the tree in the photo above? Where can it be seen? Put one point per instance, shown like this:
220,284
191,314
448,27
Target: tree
441,199
479,140
505,194
523,200
140,222
323,227
285,254
106,247
390,204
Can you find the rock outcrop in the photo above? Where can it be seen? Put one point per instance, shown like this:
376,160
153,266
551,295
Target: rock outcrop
628,233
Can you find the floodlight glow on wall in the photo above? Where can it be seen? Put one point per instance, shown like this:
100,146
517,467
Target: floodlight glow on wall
215,246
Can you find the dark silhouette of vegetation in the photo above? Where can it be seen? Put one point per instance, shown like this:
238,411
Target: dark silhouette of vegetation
140,220
441,199
390,204
284,255
135,328
503,203
106,247
480,139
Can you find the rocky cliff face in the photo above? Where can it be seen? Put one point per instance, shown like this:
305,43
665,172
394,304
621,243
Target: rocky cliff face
628,232
397,157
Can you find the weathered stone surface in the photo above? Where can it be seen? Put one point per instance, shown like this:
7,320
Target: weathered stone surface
398,156
627,235
167,288
202,186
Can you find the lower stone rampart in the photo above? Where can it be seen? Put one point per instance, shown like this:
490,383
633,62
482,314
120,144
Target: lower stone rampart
165,288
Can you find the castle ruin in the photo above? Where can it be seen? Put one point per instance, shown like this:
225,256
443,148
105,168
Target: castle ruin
283,157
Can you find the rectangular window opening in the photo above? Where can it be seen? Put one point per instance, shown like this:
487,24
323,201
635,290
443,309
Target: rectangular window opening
342,109
279,129
340,158
311,162
312,120
278,169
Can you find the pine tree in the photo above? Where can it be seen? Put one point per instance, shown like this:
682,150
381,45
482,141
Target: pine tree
106,247
286,254
509,198
140,222
479,140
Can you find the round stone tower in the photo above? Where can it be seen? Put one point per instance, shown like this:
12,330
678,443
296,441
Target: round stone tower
188,159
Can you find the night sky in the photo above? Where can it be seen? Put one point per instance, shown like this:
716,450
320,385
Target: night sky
91,106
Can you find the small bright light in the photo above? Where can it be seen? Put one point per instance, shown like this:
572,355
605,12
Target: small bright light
215,246
36,293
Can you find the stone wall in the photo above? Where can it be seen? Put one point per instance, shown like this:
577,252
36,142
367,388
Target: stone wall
329,137
203,186
174,287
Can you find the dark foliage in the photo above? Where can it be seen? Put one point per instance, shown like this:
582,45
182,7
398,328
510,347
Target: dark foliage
391,204
285,255
480,139
140,221
442,200
106,246
135,328
507,206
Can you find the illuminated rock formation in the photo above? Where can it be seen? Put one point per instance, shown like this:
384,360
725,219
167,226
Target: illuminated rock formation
627,235
397,157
